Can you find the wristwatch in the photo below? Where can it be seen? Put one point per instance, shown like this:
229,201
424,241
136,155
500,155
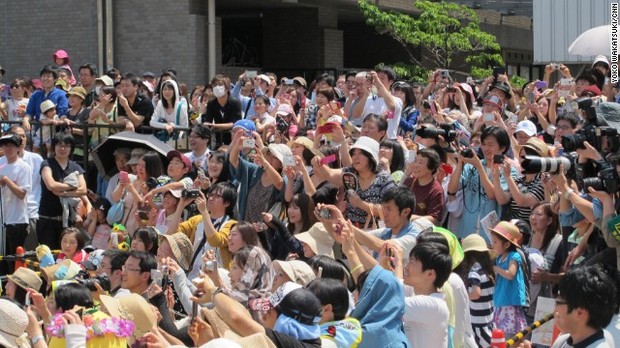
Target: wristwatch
567,194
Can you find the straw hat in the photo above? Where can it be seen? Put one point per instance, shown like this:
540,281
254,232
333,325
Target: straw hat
508,231
182,248
26,278
66,269
308,144
218,325
538,146
474,242
131,307
297,271
13,323
318,239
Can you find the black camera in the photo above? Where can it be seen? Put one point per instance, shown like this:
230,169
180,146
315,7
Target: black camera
190,194
588,105
467,153
281,125
151,183
85,279
607,181
605,139
535,164
445,130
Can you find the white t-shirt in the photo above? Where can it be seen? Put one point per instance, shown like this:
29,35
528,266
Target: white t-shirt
463,332
201,159
376,105
426,320
200,232
34,160
12,107
15,210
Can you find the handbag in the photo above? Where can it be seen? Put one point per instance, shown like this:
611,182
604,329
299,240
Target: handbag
163,135
116,212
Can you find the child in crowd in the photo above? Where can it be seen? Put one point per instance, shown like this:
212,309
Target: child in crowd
48,119
509,296
61,58
477,272
72,242
98,227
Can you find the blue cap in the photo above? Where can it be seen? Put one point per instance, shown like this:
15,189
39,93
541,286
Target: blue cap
245,124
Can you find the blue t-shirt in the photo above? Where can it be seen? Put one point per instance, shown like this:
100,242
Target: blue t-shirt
476,204
509,292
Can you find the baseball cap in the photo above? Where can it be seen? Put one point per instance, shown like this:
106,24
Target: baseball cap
300,80
136,154
106,80
174,153
526,126
247,125
284,110
10,138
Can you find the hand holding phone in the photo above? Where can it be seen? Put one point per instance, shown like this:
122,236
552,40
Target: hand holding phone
327,160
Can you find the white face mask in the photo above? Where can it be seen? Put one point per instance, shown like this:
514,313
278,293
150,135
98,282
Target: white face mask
219,91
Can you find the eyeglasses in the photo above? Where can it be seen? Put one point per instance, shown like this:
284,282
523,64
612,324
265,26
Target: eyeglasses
125,269
565,127
214,195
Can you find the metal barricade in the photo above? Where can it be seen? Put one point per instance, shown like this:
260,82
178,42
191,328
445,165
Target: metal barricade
87,137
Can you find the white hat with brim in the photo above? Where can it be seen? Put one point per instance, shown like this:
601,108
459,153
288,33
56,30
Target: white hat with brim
368,144
47,105
297,271
318,239
13,323
279,151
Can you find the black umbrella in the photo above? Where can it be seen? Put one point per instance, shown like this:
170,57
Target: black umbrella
103,154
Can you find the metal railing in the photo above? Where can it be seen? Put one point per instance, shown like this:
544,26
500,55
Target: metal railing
91,135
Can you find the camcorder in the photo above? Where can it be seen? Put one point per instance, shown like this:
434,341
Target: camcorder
281,125
445,130
190,194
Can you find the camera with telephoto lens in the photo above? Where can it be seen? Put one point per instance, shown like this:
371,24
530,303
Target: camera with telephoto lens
85,279
152,183
535,164
607,180
190,194
445,130
603,138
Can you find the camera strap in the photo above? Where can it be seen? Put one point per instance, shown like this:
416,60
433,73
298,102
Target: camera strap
198,250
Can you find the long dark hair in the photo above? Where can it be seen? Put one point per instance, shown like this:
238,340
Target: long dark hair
152,164
471,258
306,206
553,228
174,94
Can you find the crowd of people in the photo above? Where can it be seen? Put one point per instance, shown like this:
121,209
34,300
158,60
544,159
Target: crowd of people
358,210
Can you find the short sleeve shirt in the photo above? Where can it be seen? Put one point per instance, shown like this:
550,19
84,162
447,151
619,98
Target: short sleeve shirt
372,194
141,106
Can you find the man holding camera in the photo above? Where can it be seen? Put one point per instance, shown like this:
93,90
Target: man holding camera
208,230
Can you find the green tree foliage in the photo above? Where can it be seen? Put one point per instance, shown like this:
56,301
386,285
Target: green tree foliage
445,30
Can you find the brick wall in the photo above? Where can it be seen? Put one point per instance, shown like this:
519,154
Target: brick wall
31,31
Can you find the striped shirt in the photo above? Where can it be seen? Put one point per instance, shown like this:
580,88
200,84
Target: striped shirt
534,187
481,310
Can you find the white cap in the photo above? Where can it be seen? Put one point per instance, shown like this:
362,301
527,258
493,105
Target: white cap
600,59
526,126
